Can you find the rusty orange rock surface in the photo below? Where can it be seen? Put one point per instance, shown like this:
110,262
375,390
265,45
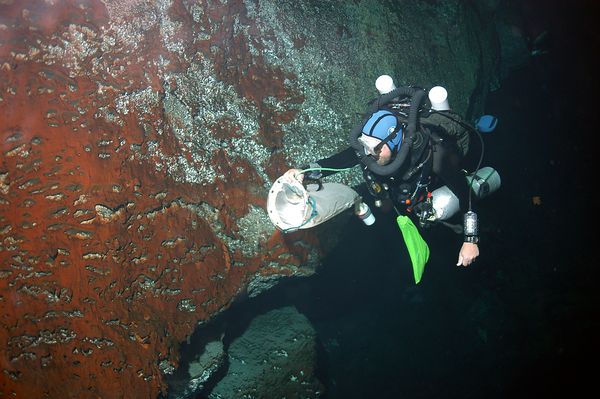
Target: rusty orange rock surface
109,255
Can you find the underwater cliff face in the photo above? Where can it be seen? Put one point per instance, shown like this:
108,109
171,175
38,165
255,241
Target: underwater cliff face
138,141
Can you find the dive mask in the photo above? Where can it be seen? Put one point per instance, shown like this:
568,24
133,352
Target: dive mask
370,145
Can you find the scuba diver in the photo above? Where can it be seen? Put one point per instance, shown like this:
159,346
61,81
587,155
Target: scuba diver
411,152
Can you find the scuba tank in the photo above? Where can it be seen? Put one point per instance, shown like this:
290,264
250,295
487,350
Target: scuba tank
445,204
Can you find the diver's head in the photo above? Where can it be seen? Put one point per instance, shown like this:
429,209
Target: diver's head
381,136
382,154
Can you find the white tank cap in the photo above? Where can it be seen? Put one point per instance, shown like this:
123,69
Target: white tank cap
439,98
385,84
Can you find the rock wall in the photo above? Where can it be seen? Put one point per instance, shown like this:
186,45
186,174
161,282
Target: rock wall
275,357
138,141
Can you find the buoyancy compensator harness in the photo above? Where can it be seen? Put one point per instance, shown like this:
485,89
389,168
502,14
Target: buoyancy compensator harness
414,155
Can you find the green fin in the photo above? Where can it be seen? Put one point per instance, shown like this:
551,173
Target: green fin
417,247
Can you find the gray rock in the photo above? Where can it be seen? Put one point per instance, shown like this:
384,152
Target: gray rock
274,358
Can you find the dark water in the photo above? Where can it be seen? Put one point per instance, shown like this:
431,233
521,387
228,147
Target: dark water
521,321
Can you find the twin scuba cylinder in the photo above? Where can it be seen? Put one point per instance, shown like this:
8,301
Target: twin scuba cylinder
445,204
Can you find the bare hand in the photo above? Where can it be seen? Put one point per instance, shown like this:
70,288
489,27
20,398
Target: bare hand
468,253
293,175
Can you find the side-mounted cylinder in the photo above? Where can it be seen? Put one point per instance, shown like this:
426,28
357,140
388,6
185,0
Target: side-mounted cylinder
483,183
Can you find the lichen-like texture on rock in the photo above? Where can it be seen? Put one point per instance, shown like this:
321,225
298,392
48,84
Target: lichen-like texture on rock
275,357
134,156
138,140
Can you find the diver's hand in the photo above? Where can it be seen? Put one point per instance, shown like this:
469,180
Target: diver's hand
468,253
293,175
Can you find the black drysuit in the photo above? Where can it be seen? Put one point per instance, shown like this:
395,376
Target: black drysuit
445,164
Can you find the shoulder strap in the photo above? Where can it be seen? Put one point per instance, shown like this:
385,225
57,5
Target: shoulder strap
449,124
